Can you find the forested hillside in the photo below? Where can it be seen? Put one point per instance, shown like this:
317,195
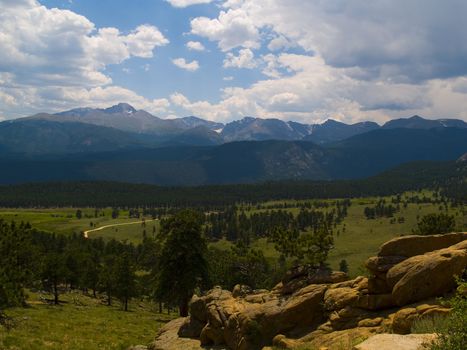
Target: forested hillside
242,162
448,175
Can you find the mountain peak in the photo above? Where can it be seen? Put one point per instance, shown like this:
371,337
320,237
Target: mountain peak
332,122
121,108
463,158
417,122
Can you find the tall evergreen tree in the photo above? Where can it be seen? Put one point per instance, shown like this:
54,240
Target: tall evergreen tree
125,280
16,256
107,278
183,266
53,273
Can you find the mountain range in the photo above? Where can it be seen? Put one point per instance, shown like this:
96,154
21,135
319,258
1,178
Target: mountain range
123,127
123,144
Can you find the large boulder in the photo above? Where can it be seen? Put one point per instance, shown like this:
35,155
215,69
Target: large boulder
303,275
317,306
338,298
427,275
258,324
378,264
168,339
191,328
408,246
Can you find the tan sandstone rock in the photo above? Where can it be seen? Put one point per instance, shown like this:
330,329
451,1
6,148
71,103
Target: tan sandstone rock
427,275
375,301
332,313
281,341
337,340
383,263
415,245
241,290
168,339
396,341
302,276
338,298
403,320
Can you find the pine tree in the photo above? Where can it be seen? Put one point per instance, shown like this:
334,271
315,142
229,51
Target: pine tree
107,278
183,266
53,273
16,257
125,280
344,266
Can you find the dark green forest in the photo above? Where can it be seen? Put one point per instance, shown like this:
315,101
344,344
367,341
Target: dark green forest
449,176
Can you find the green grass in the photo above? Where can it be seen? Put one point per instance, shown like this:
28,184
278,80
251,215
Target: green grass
132,233
433,324
64,221
82,323
362,238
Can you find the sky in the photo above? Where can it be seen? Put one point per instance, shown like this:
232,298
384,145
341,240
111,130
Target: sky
302,60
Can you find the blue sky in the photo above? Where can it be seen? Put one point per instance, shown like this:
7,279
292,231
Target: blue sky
157,77
290,59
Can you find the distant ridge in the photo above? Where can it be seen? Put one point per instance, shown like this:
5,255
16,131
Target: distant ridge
90,130
236,162
126,118
417,122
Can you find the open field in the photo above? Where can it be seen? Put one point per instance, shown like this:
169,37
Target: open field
64,220
360,238
357,238
80,323
131,232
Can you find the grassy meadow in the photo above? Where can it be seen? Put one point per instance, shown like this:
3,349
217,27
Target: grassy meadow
132,232
80,323
83,322
356,239
64,221
360,238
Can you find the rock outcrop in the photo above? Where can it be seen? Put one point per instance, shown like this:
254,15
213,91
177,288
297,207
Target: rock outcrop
427,275
396,341
318,307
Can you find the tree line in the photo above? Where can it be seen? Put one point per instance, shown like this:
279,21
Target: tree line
168,268
448,176
235,223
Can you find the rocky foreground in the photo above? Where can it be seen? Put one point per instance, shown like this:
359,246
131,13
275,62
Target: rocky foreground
315,309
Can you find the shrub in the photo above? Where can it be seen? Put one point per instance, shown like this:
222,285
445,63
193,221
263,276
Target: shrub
433,324
433,224
454,335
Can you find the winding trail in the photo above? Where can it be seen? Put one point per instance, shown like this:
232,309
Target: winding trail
86,233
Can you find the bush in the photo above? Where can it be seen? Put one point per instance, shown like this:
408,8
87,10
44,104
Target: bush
433,224
454,335
435,324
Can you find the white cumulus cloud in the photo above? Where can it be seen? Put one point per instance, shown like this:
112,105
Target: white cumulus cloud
183,64
55,55
231,29
186,3
245,59
195,46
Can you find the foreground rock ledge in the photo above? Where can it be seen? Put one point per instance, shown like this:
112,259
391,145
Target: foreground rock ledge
396,341
322,308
